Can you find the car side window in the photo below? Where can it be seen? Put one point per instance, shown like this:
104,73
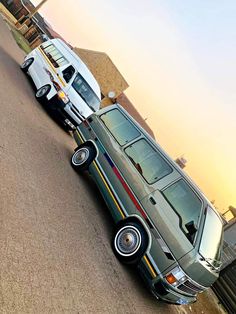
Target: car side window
68,73
185,203
149,163
119,126
54,55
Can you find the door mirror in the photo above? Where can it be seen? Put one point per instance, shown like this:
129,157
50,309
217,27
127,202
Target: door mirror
191,227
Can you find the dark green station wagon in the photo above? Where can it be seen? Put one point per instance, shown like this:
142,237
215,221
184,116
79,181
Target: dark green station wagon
165,225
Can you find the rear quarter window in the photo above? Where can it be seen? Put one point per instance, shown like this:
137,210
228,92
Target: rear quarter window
149,163
119,126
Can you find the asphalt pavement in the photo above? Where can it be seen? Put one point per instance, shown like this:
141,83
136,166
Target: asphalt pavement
55,229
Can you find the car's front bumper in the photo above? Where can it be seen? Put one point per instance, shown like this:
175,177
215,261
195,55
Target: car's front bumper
73,112
60,109
160,287
165,292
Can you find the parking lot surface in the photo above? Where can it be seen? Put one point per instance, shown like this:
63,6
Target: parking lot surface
55,230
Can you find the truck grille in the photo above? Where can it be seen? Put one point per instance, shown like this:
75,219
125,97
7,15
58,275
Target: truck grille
190,288
75,111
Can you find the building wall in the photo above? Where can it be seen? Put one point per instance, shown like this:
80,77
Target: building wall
7,13
229,245
106,73
124,101
225,287
230,234
16,8
110,79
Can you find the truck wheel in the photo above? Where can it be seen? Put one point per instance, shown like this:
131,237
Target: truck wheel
42,92
82,158
26,64
130,243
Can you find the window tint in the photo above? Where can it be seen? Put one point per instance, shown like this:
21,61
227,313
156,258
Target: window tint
48,49
210,246
147,161
185,203
86,92
119,126
68,73
54,55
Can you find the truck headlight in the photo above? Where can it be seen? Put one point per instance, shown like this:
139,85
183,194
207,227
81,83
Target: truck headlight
62,96
176,276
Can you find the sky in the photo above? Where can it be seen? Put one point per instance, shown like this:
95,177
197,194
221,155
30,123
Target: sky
179,59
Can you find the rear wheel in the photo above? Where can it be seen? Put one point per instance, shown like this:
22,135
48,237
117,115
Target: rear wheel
26,64
130,243
82,158
42,92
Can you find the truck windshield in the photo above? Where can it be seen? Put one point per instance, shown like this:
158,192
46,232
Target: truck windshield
86,92
210,247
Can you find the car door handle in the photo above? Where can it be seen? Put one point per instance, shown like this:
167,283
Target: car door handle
152,200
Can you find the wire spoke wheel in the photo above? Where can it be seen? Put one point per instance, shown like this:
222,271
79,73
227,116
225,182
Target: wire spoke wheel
128,240
80,156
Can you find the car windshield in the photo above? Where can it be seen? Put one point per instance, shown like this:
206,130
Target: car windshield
86,92
211,242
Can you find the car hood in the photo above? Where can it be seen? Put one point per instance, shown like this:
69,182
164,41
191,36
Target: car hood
197,269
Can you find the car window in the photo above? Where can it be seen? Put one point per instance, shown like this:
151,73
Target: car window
54,55
68,73
185,203
210,246
149,163
86,92
119,126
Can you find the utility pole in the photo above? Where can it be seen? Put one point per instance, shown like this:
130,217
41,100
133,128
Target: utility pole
31,14
37,8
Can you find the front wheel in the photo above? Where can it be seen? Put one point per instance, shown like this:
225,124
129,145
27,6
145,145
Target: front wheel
82,158
26,64
130,243
42,92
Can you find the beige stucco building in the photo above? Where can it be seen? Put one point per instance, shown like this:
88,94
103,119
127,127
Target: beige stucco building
110,79
106,73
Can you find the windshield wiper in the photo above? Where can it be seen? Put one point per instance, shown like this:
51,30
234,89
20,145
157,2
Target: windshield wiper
211,261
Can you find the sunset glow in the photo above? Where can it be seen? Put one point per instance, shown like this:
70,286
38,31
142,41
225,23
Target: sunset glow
179,60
